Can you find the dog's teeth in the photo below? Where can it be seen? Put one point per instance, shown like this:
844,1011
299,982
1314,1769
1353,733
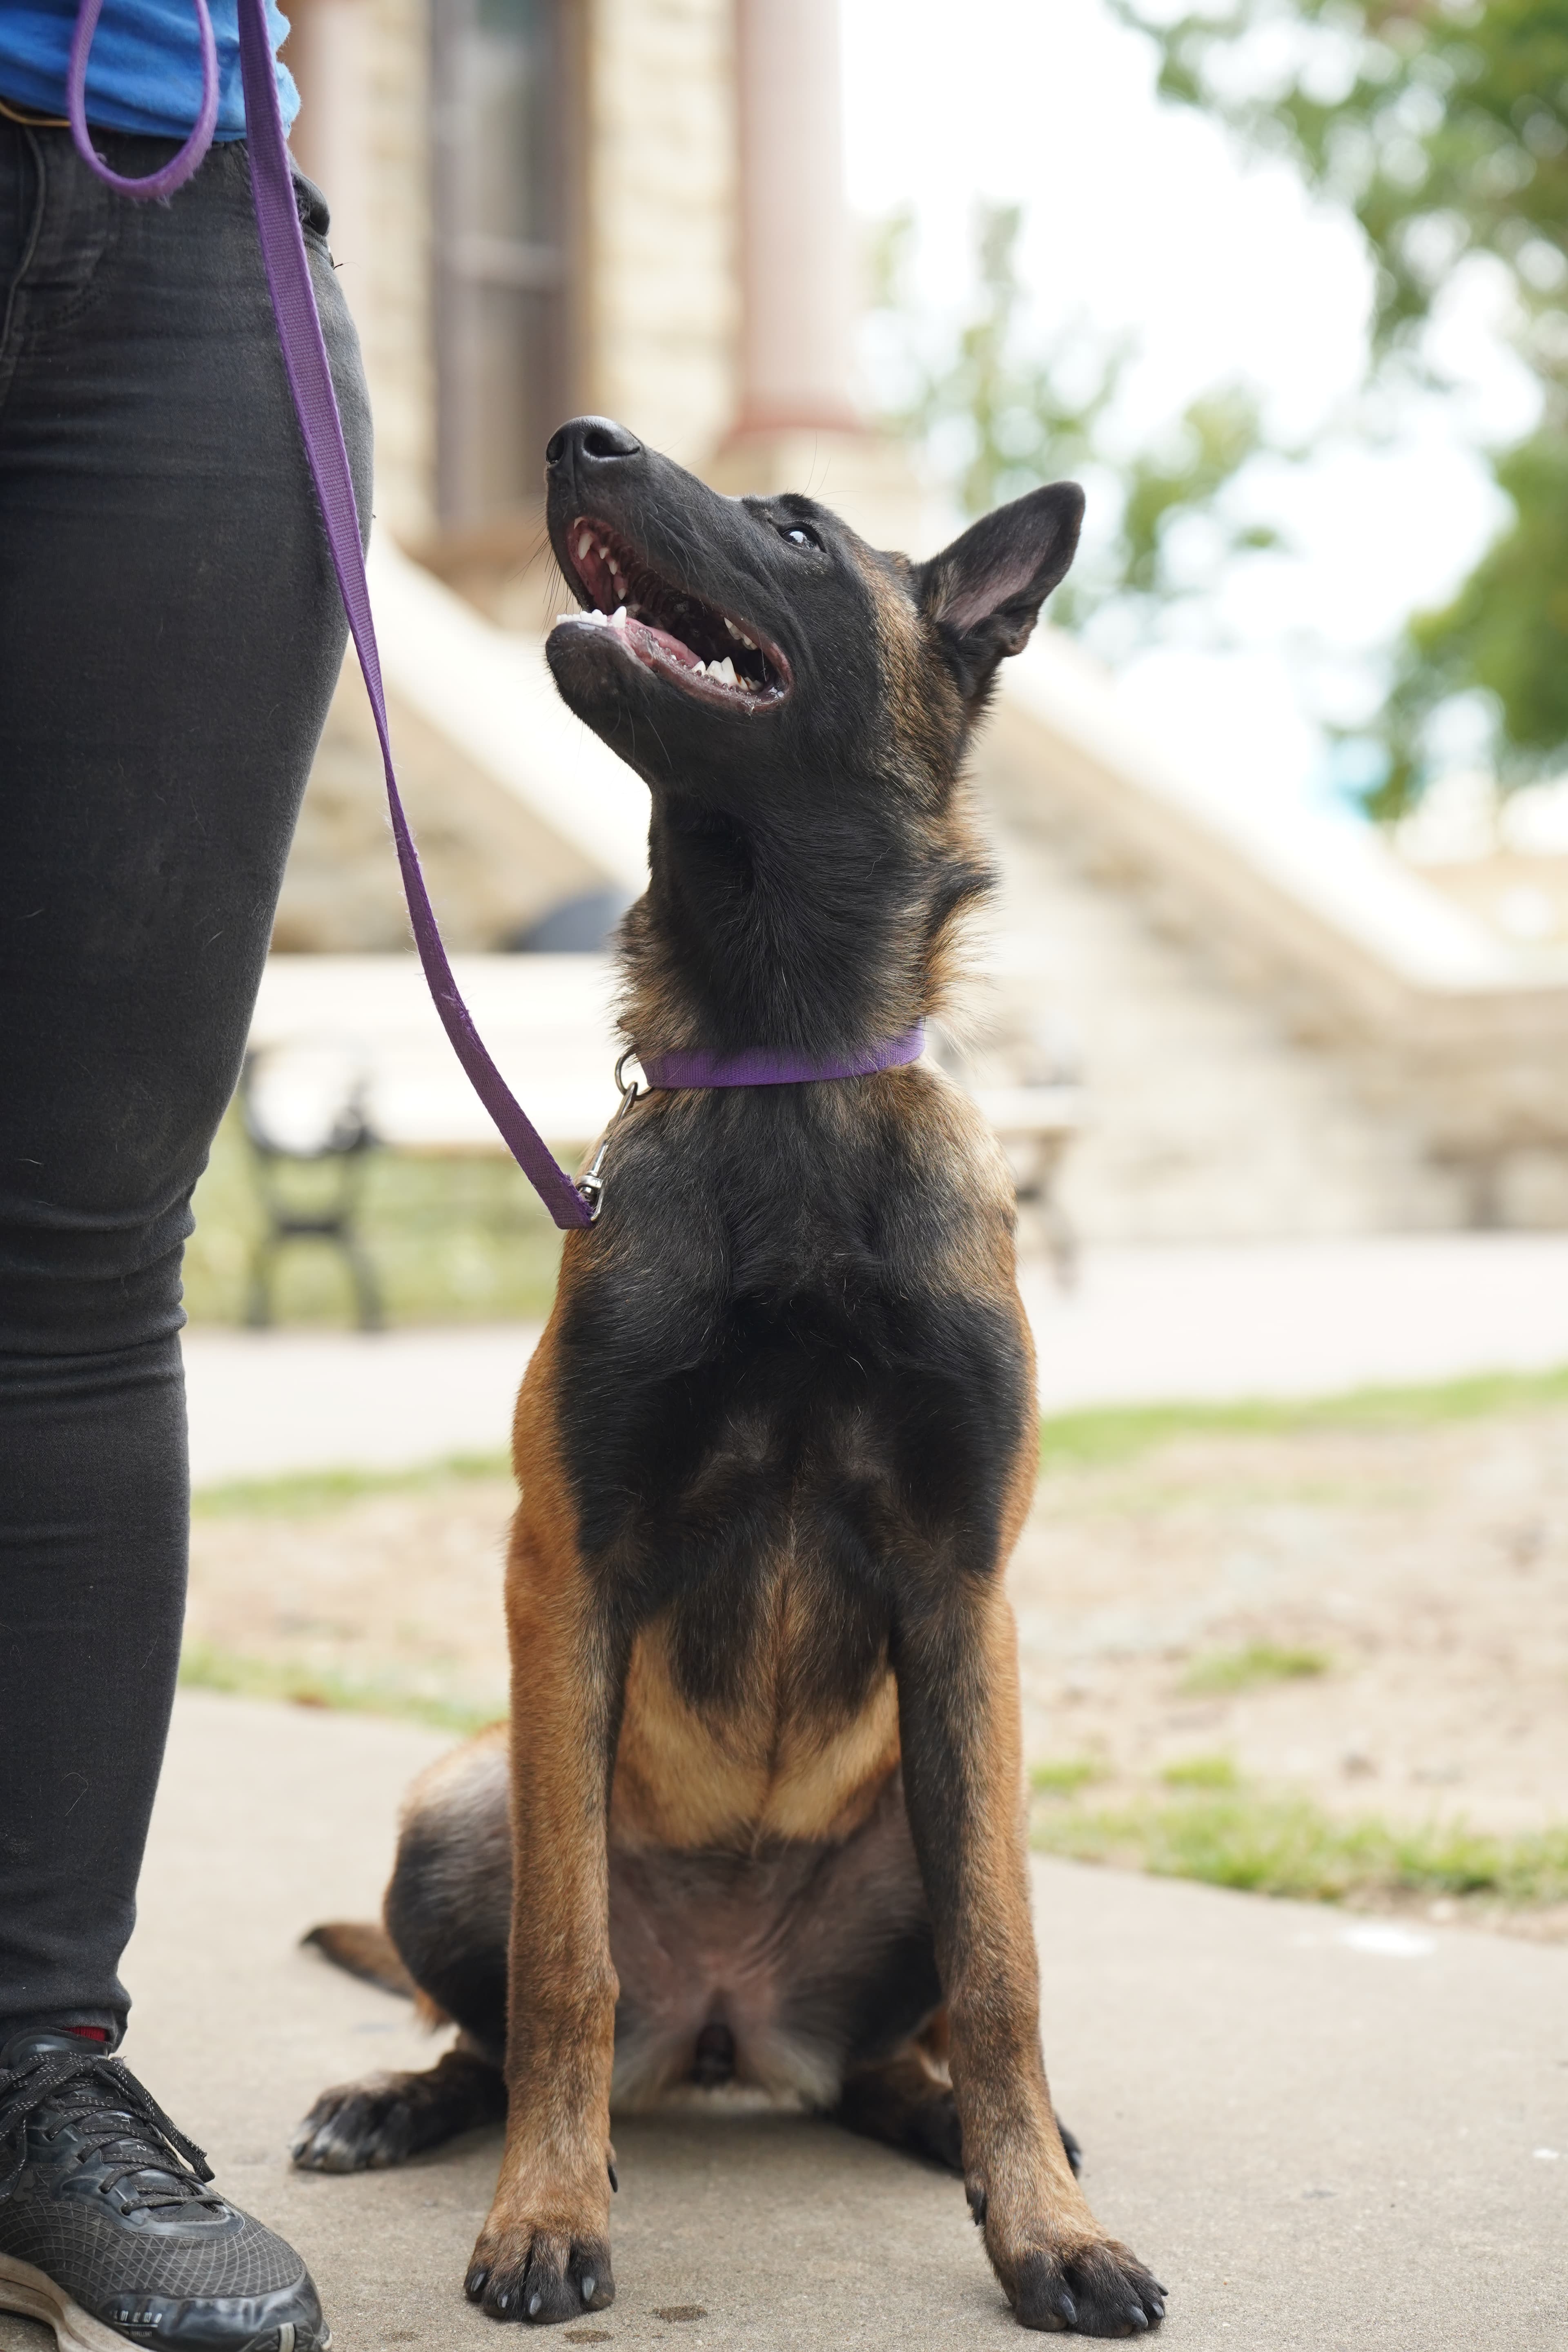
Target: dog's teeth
724,671
600,619
733,631
618,617
620,584
584,541
750,643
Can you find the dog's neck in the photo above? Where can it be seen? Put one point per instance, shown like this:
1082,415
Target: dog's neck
757,934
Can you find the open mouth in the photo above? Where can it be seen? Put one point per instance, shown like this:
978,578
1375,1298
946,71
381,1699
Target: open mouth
716,655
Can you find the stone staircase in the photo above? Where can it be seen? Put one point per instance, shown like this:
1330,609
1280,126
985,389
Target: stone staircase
1283,1029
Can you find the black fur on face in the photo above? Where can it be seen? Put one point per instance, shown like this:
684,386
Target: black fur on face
799,706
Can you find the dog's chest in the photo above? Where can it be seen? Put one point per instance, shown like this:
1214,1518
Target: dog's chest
755,1714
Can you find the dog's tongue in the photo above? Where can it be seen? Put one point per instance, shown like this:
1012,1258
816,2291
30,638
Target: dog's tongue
673,647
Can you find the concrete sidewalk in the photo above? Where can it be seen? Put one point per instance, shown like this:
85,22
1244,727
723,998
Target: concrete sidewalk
1319,2132
1146,1325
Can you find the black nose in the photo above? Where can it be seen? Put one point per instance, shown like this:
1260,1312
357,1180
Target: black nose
594,440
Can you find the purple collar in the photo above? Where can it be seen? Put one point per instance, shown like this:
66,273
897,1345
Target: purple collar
758,1066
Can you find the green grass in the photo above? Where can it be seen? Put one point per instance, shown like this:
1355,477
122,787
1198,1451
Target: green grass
305,1493
1105,1435
453,1241
203,1667
1227,1671
1202,1772
1064,1776
1269,1845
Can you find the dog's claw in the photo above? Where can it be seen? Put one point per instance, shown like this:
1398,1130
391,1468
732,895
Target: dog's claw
542,2278
1098,2290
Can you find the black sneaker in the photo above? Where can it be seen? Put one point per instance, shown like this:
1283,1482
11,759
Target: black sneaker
109,2228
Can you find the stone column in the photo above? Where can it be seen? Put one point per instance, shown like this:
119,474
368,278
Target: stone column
329,53
797,425
797,264
362,67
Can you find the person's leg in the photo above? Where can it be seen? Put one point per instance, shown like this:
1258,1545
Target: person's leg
170,637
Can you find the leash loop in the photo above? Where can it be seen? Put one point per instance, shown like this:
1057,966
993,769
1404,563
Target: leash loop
191,155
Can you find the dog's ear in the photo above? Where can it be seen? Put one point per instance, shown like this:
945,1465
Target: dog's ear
984,591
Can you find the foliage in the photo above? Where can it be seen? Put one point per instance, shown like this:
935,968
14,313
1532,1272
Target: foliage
1064,1776
1282,1845
1023,416
304,1494
1443,128
1102,1434
1505,634
204,1667
1202,1772
1442,125
1260,1662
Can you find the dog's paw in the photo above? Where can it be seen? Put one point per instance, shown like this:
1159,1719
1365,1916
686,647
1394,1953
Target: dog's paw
539,2276
1101,2290
359,2127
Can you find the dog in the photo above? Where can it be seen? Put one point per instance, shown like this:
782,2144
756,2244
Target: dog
758,1816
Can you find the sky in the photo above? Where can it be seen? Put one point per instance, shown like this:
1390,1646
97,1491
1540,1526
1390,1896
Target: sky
1144,221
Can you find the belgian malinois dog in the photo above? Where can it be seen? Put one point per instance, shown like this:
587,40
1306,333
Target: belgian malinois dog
758,1816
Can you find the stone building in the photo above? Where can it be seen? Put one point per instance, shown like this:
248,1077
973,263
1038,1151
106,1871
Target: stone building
636,206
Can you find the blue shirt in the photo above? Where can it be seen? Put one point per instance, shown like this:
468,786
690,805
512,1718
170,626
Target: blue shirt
145,70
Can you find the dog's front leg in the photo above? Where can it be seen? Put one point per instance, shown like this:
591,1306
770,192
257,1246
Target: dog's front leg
958,1705
544,2252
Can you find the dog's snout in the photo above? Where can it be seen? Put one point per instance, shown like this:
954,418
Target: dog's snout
593,440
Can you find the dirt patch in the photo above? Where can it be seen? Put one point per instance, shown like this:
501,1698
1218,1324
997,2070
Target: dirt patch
395,1597
1426,1569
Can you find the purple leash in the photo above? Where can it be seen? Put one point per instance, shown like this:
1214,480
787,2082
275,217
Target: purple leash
320,429
315,405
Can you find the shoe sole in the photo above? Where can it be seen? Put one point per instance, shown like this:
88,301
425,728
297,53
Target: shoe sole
33,2294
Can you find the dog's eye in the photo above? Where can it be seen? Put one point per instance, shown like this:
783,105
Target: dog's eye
798,534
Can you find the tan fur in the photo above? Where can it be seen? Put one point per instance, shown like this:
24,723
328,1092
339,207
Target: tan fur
555,2183
1013,2157
686,1780
365,1950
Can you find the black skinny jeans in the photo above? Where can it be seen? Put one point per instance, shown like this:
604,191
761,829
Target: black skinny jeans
170,638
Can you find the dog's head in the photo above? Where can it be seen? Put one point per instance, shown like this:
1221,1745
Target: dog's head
799,706
755,653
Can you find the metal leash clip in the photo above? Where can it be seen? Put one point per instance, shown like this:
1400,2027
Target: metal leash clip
591,1185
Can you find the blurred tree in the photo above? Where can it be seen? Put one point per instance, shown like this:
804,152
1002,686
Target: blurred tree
1443,126
1015,417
